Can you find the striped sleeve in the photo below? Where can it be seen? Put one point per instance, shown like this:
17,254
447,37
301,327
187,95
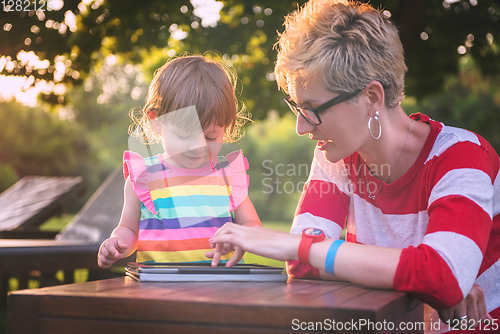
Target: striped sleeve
324,204
443,268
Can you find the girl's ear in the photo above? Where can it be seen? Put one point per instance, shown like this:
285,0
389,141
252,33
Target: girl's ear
152,114
154,121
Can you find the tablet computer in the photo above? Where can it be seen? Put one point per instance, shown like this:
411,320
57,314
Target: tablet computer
178,272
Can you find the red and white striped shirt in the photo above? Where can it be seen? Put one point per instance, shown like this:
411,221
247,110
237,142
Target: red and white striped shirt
444,212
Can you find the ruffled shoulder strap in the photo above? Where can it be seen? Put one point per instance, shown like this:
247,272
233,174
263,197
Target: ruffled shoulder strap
238,166
134,167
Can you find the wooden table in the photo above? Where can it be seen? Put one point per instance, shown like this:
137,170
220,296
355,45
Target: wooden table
121,305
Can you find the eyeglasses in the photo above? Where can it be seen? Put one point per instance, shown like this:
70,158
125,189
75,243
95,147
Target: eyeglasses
312,114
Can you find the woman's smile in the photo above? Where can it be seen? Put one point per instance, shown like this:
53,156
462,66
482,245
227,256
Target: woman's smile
321,144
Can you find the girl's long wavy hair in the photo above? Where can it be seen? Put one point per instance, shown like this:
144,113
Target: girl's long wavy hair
192,80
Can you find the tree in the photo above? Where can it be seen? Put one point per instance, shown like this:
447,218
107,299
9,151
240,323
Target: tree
434,34
469,101
33,138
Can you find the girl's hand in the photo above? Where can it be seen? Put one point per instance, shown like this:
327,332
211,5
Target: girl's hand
261,241
111,250
473,306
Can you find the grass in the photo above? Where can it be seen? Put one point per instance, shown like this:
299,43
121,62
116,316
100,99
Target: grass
56,223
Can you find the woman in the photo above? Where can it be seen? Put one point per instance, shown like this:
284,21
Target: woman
420,199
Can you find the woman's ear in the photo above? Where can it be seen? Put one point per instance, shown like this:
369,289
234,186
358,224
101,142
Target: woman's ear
376,95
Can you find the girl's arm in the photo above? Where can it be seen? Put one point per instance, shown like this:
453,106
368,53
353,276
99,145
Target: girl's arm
246,214
123,239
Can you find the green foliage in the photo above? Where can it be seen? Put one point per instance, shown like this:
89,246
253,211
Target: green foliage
431,32
33,141
114,35
469,101
279,165
102,107
8,174
86,137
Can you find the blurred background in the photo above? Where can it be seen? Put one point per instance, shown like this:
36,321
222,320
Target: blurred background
70,72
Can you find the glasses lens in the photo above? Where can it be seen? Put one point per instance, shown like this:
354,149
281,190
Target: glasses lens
309,116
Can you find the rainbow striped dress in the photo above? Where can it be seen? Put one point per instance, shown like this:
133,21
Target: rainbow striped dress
182,208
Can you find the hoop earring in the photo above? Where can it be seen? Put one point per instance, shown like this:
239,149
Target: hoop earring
376,117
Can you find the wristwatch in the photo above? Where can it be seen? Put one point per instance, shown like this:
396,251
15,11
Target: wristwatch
309,236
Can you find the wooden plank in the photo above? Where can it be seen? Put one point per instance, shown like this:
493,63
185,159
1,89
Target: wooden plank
47,255
100,215
387,305
27,233
25,315
107,299
275,292
136,309
331,296
34,199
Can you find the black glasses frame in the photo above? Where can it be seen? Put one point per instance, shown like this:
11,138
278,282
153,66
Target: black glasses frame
306,111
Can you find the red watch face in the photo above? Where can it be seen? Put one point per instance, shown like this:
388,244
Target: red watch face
313,231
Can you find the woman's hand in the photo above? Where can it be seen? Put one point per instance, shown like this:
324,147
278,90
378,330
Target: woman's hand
261,241
223,249
472,309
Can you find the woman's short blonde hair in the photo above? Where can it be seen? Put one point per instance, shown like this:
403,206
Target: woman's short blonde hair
348,43
185,81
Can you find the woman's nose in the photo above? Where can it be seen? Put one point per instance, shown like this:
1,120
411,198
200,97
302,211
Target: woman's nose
303,127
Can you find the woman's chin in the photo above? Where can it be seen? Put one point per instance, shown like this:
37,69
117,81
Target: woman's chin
332,156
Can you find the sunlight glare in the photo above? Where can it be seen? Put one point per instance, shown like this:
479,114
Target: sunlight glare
20,88
70,20
208,11
55,4
11,87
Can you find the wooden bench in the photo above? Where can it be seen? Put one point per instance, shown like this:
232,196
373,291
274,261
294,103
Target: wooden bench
75,247
32,201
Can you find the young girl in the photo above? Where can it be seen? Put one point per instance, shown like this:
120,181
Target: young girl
176,201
